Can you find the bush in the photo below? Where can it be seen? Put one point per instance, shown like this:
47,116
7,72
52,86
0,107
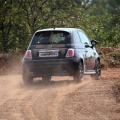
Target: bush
116,55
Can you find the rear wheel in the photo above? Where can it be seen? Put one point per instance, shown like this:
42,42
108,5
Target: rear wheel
79,73
46,78
27,79
98,71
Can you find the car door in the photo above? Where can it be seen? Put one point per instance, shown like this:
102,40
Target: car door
90,53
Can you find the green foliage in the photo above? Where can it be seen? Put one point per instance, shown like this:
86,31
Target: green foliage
116,55
20,19
114,62
104,6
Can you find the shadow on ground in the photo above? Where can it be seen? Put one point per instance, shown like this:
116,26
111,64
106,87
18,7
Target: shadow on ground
39,84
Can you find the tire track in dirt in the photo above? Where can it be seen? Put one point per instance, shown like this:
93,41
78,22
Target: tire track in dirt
48,104
38,101
60,99
92,102
18,100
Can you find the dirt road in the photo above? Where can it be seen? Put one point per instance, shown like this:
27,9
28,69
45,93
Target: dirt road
60,99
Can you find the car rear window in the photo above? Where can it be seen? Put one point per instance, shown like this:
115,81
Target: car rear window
49,37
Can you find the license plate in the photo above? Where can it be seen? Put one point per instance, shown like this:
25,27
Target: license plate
48,54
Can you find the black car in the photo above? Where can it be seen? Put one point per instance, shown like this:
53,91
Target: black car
60,52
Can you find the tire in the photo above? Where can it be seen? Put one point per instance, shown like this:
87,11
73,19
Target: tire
97,76
46,78
27,79
79,73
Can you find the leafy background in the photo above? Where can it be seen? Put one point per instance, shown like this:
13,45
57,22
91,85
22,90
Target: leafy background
19,19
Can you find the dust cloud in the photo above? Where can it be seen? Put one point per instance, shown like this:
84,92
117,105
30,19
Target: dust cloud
60,99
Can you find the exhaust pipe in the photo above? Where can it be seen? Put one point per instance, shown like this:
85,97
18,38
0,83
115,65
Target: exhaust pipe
31,74
65,72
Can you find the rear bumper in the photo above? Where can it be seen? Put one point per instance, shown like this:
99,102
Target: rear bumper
52,67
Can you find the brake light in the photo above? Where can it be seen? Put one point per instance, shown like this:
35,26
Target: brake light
28,54
70,53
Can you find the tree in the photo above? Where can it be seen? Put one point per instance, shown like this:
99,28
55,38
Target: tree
105,6
20,19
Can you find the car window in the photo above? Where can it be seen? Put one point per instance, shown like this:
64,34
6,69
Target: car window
76,37
84,38
45,37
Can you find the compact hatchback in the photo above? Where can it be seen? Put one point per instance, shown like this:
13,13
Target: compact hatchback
60,52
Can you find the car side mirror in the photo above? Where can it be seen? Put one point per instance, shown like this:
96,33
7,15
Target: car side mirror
93,43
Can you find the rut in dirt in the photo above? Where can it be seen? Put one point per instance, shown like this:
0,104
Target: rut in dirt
60,99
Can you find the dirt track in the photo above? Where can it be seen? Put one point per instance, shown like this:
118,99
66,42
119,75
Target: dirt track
60,99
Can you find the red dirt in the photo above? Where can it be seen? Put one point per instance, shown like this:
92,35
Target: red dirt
61,99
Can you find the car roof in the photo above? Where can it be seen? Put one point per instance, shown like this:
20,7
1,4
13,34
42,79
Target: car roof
58,29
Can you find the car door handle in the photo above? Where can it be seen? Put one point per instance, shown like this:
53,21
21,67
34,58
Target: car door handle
86,51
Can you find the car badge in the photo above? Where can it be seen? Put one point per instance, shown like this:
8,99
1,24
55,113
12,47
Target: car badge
49,46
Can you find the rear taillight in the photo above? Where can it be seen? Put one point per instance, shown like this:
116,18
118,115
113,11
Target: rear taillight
70,53
28,54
